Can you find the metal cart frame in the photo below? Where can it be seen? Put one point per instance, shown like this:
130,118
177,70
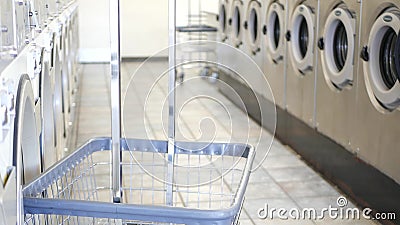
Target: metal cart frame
67,192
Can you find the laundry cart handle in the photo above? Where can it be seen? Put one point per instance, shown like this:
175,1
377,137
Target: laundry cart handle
171,98
115,69
115,91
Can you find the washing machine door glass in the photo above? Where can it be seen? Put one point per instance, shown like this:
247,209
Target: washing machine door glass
382,80
236,21
253,20
253,25
222,18
340,46
387,58
337,57
275,34
276,31
302,26
303,37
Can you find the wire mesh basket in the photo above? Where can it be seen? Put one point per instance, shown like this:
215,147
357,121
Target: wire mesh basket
208,188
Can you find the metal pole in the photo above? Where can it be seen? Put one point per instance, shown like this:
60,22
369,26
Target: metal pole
171,98
115,99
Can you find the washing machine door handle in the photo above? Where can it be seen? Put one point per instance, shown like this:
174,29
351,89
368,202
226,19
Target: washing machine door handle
397,55
364,54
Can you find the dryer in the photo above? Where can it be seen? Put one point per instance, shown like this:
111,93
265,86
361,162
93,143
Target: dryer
274,46
378,96
337,69
301,73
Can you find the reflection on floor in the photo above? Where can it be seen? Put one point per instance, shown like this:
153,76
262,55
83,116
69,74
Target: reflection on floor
283,180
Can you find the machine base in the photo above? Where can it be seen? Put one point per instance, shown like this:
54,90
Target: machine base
366,185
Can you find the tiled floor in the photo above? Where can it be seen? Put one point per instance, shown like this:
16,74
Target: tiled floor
283,180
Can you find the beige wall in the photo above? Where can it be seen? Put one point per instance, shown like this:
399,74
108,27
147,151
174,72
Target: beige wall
144,26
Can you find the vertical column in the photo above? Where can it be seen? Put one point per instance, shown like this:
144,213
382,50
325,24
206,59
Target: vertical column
171,98
115,99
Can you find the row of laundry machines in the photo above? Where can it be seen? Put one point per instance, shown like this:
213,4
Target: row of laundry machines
38,71
333,64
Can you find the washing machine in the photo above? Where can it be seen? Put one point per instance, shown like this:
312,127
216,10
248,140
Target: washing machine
46,78
56,66
64,44
301,73
274,46
20,145
338,54
253,41
223,18
232,49
224,33
74,32
378,90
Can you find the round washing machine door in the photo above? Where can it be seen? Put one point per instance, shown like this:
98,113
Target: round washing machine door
58,96
252,25
338,49
48,146
236,20
382,75
222,20
275,32
302,38
27,157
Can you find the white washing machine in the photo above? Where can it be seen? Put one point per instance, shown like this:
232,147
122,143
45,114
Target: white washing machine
20,146
301,73
337,69
274,49
378,96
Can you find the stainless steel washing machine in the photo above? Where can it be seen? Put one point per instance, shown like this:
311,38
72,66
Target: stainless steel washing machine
337,69
274,49
223,18
301,73
378,94
233,52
